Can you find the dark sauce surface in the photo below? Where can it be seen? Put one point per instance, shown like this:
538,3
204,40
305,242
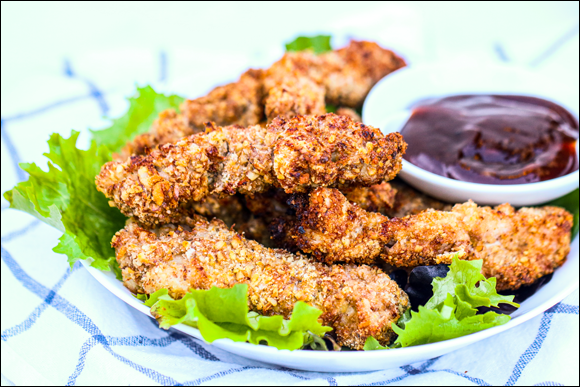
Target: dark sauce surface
492,139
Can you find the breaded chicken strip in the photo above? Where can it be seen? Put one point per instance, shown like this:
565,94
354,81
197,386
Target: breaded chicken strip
295,154
237,103
356,301
376,198
347,74
168,127
272,210
409,201
298,84
517,247
351,113
293,96
274,202
360,65
332,229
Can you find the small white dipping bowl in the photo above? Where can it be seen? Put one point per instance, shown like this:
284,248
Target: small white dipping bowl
387,107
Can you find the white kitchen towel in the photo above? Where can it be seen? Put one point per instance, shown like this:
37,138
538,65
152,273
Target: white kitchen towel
62,327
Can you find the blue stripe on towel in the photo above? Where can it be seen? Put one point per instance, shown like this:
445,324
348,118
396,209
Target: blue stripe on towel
72,313
12,151
93,89
37,312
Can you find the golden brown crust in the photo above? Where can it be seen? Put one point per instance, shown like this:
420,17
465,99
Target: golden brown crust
332,229
294,96
156,187
357,301
333,151
518,247
298,84
168,127
376,198
347,74
360,66
350,113
237,103
295,154
409,201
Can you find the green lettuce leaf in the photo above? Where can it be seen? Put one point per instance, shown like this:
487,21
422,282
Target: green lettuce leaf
330,108
465,281
570,202
318,44
372,344
144,108
65,196
452,311
454,318
223,313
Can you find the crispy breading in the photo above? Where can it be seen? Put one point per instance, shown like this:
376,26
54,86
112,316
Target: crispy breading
347,74
332,229
349,112
272,208
360,65
295,154
168,127
356,301
299,64
409,201
298,84
294,96
274,203
376,198
517,247
237,103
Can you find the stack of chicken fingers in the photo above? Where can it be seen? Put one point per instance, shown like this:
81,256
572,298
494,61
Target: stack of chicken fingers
256,184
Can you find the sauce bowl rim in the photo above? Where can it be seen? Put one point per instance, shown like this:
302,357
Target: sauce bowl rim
422,176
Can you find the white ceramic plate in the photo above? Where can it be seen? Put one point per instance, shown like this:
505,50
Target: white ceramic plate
564,282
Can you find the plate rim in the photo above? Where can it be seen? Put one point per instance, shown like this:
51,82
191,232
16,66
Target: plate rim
126,296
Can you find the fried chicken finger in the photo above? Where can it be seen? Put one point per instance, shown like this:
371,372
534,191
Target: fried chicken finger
356,301
295,154
333,229
517,246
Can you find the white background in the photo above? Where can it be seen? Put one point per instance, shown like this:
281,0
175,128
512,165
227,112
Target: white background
117,45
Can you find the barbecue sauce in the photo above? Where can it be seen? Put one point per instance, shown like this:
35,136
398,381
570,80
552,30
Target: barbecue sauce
492,139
